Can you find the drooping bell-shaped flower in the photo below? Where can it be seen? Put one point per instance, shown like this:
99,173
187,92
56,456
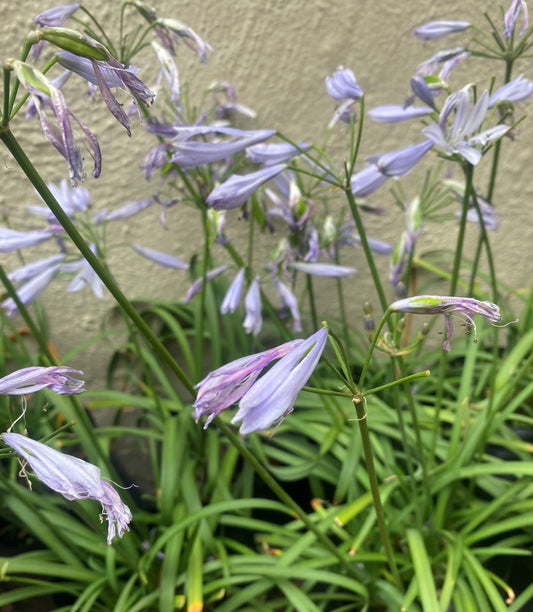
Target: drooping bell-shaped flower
234,191
272,397
226,385
233,295
448,305
253,321
74,479
29,380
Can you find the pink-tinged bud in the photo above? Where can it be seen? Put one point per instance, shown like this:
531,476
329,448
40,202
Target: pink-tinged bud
447,305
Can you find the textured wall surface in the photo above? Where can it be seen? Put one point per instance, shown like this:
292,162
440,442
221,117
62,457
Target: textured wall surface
276,54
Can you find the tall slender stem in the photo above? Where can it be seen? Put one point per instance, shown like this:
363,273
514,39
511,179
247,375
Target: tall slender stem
374,488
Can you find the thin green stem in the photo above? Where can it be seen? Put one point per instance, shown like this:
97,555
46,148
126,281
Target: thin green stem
312,304
374,488
469,173
42,189
364,243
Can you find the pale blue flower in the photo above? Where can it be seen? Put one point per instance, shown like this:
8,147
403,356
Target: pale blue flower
511,15
226,385
394,113
461,136
163,259
60,135
422,90
516,90
12,240
438,29
123,212
169,70
268,154
288,300
107,74
73,478
447,305
57,15
30,290
430,65
366,181
322,269
233,295
188,153
29,271
58,379
85,275
196,287
343,86
253,321
235,190
401,162
272,397
72,201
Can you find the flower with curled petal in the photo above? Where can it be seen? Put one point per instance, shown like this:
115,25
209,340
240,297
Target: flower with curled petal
460,137
74,479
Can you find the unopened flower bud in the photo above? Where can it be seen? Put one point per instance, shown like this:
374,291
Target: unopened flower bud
76,43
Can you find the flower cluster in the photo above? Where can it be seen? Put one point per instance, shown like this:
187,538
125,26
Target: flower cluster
268,400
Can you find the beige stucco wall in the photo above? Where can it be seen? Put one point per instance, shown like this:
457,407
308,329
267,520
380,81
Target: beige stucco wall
276,53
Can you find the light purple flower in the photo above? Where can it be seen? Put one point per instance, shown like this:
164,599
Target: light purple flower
461,136
438,29
394,113
128,210
228,384
196,287
57,15
12,240
430,65
107,74
272,397
169,70
163,259
322,269
343,86
72,201
85,275
28,380
31,290
422,90
233,295
253,322
511,15
60,136
401,162
269,154
73,478
27,272
451,63
188,153
168,29
235,190
288,300
516,90
366,181
446,305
